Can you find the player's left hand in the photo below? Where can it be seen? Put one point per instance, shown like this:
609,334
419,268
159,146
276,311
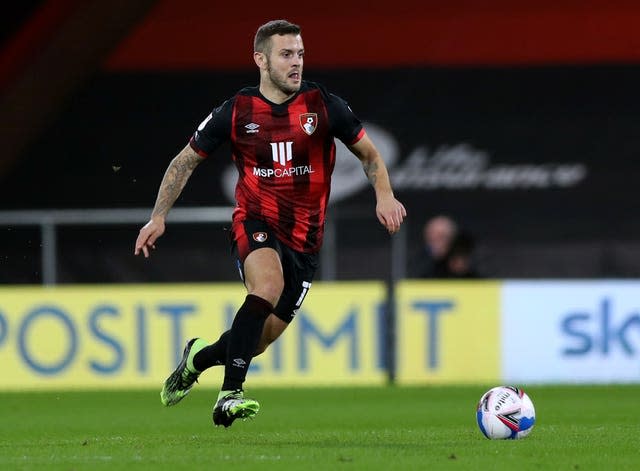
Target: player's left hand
391,213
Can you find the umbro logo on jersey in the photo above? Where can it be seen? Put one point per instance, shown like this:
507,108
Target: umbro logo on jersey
309,122
252,128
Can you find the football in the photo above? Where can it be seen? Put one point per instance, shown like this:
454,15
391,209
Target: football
505,412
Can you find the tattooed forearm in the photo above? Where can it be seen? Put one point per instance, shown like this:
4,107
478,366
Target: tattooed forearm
370,170
174,180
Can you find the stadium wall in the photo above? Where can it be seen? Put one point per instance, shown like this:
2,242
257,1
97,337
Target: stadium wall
485,332
539,163
517,118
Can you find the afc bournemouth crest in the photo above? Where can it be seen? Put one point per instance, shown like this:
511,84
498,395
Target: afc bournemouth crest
260,236
309,122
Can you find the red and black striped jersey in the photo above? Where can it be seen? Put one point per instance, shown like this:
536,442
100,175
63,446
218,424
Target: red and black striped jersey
285,154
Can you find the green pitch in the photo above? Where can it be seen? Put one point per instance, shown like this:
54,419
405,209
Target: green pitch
578,428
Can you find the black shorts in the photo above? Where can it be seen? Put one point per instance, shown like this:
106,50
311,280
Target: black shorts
298,268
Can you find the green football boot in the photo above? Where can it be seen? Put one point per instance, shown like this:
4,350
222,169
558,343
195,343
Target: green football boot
234,406
180,382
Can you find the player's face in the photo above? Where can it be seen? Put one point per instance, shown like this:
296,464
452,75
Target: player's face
284,63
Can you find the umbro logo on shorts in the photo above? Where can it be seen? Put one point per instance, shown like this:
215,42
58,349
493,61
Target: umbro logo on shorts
260,236
239,362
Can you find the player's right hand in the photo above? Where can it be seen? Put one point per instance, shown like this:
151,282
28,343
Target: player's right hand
148,235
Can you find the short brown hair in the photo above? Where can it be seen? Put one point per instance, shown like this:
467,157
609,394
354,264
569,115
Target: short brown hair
262,40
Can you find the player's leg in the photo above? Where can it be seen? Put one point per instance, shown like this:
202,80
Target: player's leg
273,328
198,357
216,353
264,281
298,270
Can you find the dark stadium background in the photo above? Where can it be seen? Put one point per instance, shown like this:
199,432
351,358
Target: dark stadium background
97,96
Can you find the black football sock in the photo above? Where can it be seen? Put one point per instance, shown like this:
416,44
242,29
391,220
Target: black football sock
212,355
244,337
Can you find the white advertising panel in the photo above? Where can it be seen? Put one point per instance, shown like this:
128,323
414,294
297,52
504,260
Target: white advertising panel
573,331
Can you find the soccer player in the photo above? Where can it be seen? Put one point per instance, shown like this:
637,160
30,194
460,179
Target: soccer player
282,142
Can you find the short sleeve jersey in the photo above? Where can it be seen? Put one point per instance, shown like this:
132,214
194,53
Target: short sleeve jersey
285,155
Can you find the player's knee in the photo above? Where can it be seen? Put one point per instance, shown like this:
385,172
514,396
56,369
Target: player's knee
269,290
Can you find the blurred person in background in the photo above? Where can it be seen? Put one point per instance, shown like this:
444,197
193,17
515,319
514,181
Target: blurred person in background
438,233
459,261
282,140
446,252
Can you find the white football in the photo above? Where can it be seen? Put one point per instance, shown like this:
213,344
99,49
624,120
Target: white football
505,412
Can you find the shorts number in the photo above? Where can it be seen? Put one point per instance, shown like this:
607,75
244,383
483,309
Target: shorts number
305,289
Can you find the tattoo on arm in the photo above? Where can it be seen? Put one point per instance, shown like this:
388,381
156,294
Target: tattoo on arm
370,170
174,180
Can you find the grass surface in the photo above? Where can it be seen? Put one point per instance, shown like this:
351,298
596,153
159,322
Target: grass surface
578,428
